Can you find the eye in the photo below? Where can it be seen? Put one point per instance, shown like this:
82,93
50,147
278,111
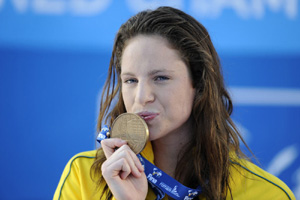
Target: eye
161,78
130,81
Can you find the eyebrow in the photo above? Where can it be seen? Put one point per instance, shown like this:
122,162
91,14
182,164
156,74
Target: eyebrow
151,73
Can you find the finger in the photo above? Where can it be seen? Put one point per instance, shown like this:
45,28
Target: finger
109,145
126,170
124,152
131,158
136,161
113,170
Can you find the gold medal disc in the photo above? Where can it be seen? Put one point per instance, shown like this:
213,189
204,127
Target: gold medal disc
131,128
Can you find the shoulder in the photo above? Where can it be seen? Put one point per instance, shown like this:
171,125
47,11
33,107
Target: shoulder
249,181
80,163
82,160
76,172
86,155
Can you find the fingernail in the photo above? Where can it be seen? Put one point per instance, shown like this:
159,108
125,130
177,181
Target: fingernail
123,141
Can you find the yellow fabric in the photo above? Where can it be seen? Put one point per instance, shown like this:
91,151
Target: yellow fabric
247,181
75,182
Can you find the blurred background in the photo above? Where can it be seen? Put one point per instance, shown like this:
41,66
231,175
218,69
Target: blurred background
54,55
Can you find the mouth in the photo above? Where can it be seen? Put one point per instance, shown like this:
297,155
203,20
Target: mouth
147,116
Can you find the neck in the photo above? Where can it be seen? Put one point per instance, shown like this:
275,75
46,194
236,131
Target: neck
167,149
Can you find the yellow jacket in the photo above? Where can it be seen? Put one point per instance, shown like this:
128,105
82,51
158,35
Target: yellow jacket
248,181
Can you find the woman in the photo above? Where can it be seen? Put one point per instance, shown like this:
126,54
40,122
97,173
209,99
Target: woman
167,71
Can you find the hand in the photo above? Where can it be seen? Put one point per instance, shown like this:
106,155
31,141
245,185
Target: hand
123,171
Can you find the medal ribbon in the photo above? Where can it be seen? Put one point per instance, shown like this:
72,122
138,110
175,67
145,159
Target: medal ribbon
161,182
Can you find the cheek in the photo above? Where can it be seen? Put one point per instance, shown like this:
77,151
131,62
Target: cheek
126,100
184,109
178,105
185,104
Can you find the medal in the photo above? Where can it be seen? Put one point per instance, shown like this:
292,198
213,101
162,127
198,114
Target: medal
131,128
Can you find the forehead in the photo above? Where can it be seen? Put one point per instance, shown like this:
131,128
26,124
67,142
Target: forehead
149,52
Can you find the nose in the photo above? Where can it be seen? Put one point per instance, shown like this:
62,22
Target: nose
144,93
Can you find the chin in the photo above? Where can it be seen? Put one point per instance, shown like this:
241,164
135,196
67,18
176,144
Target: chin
153,133
152,137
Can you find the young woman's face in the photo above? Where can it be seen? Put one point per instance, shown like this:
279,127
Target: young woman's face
156,85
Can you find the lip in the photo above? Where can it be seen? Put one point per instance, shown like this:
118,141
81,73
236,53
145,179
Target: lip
147,116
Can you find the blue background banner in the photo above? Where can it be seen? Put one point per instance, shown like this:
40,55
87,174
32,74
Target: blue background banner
54,55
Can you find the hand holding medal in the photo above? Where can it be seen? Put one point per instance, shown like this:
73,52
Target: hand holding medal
133,130
122,170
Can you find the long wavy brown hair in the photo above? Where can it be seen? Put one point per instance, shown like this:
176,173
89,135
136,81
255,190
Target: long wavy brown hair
214,133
